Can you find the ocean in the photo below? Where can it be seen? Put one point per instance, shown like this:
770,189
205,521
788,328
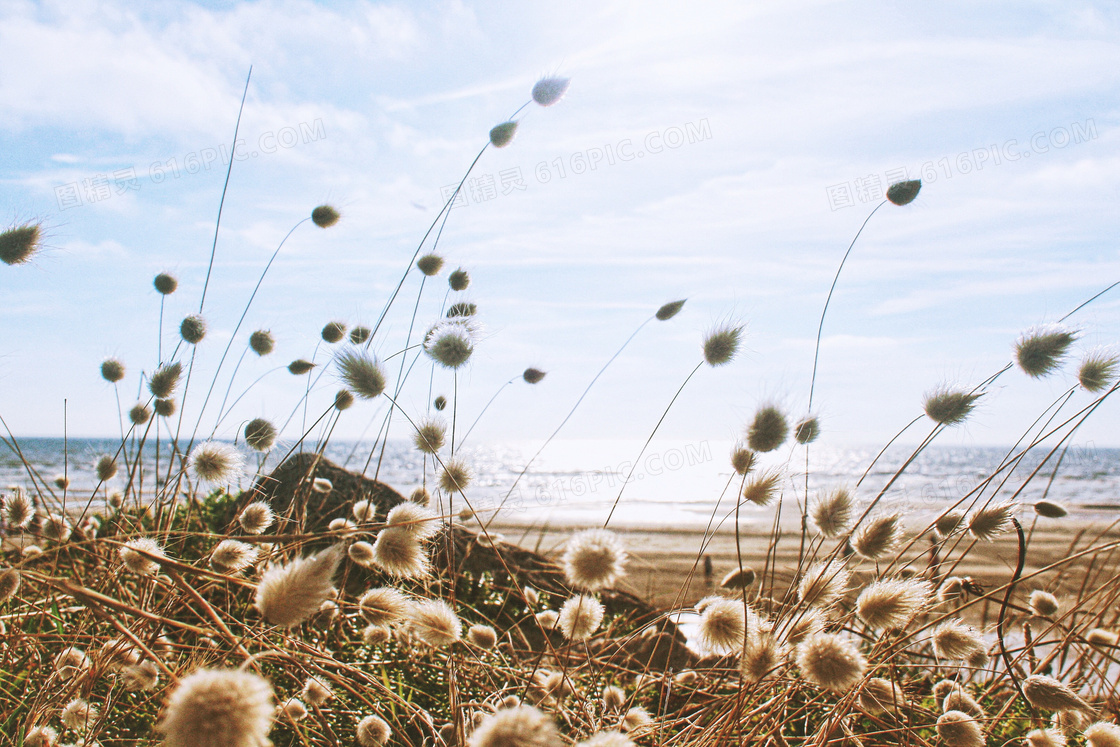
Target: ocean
680,484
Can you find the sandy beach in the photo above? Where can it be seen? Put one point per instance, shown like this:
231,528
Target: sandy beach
667,565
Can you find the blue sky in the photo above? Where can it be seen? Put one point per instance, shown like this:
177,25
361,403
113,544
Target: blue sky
761,136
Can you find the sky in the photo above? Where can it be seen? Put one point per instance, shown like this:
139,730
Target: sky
723,152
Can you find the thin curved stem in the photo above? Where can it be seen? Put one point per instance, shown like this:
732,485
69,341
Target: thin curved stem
660,420
484,409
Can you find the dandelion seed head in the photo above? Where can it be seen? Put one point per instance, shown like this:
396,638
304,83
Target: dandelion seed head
450,343
261,342
324,216
580,617
215,462
830,662
256,517
958,729
399,553
260,434
594,559
373,731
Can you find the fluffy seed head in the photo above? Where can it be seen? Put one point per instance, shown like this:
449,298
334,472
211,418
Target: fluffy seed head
832,512
522,726
463,308
232,556
949,407
413,518
450,343
454,477
502,135
547,619
989,522
955,641
636,719
956,699
375,635
1043,603
952,590
958,729
361,372
670,310
742,459
361,553
830,662
256,517
1097,371
291,593
878,537
762,655
333,332
165,284
762,488
139,414
738,579
261,342
903,193
316,692
879,696
162,383
722,625
373,731
548,91
948,522
79,715
215,462
134,555
613,698
112,370
533,375
580,617
343,399
106,468
383,606
260,434
439,403
430,264
807,430
193,329
62,482
768,430
363,511
1039,352
398,552
9,583
429,436
823,583
324,216
1102,638
594,559
40,736
56,528
482,636
218,708
1050,510
891,603
18,508
420,496
140,677
19,244
71,662
1045,738
1103,734
1049,693
300,366
721,344
434,622
292,709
